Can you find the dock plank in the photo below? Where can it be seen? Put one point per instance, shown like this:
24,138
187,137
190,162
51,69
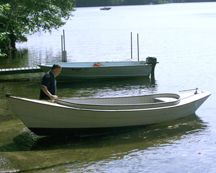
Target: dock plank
21,70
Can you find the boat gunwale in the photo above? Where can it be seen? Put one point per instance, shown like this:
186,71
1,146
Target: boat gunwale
72,67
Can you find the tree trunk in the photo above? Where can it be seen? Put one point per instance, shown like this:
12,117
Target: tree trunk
13,39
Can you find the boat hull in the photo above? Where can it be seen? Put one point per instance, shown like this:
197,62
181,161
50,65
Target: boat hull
87,70
45,118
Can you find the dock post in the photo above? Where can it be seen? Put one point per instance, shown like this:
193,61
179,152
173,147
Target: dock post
131,47
138,46
64,52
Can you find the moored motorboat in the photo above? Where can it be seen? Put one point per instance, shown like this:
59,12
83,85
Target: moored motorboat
105,8
103,70
84,117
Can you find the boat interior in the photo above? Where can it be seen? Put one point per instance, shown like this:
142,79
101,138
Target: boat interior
131,102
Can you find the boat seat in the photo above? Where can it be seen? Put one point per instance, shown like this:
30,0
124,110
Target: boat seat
164,99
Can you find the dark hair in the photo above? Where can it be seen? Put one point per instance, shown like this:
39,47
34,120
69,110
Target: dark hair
55,66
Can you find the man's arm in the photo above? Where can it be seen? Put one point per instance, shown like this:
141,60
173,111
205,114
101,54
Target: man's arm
45,90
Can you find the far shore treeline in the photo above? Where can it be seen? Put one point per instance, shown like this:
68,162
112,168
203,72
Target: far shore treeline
92,3
20,18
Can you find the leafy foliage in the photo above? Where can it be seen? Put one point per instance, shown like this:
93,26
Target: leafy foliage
21,17
3,35
3,38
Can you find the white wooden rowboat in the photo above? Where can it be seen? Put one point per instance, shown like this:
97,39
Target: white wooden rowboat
100,115
103,70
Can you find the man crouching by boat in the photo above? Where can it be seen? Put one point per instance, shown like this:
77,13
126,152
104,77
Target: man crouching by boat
48,85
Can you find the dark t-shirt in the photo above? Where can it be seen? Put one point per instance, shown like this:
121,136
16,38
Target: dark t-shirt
50,82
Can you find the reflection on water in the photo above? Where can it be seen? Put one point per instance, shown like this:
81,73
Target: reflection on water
78,153
29,86
163,133
115,87
29,58
19,59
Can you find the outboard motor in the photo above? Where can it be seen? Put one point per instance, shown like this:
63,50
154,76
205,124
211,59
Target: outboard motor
153,62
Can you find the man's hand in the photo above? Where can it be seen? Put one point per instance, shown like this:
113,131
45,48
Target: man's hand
55,97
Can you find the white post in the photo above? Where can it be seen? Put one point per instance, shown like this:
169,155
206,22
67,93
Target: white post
64,52
138,46
131,47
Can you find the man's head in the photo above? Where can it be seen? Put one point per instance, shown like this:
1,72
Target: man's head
56,69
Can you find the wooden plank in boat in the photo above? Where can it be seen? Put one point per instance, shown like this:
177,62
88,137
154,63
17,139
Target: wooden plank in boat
164,99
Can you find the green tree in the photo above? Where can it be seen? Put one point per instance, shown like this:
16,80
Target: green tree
4,39
22,17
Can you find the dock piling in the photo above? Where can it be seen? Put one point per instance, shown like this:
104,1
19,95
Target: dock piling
131,47
64,52
138,46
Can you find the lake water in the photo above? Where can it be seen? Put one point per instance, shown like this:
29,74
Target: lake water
181,37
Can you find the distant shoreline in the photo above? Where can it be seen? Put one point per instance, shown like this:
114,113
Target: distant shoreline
149,3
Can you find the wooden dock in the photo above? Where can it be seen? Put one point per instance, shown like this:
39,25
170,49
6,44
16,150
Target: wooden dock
21,70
